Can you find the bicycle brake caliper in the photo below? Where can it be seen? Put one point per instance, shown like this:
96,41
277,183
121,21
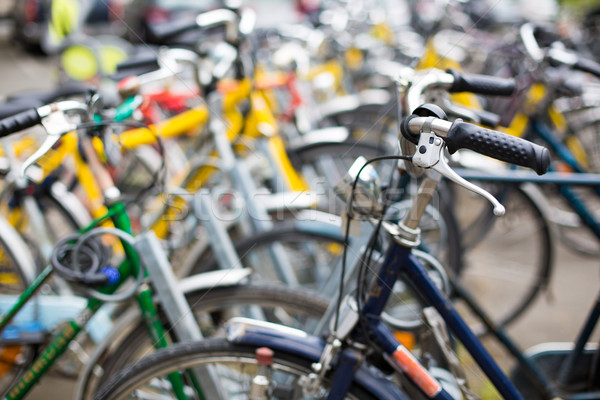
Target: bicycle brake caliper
312,383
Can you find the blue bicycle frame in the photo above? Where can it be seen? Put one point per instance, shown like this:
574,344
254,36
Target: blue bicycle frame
399,260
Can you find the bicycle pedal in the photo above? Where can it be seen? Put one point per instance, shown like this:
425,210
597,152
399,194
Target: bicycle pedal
26,333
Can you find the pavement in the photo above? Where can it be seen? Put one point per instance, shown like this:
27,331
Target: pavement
555,317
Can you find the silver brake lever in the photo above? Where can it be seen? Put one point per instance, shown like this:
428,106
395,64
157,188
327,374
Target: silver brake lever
429,154
56,125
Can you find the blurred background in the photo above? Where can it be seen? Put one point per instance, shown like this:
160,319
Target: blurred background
44,43
113,29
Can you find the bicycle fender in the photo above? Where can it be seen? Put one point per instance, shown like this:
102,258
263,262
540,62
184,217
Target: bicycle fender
289,201
301,344
207,280
367,100
70,203
336,134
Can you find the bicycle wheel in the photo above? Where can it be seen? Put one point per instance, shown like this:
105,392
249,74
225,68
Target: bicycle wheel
212,307
328,162
17,267
511,262
373,123
234,366
61,217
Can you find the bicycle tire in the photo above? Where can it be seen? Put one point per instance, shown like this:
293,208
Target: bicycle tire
54,208
15,260
506,289
209,352
338,155
206,301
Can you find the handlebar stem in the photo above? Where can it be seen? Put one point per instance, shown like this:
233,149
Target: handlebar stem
423,80
438,126
527,33
419,204
229,18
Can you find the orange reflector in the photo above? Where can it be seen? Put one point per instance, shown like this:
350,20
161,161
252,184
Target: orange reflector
406,338
8,358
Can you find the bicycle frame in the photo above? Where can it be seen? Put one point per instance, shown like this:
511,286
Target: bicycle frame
398,260
59,344
61,341
129,267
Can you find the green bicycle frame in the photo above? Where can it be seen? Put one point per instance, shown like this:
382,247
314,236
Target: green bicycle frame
129,267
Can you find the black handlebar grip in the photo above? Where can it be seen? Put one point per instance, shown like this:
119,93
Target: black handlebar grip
498,145
481,84
586,65
487,118
18,122
169,29
139,61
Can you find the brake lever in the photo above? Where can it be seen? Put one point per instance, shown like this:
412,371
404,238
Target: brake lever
429,154
56,125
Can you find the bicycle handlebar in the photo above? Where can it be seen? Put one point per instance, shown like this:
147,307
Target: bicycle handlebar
51,116
19,122
455,81
486,118
498,145
207,20
139,61
167,30
556,54
481,84
586,65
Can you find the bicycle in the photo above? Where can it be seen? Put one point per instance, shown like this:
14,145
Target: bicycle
312,367
536,237
110,279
